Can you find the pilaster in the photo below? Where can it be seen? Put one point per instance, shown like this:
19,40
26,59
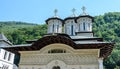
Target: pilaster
100,61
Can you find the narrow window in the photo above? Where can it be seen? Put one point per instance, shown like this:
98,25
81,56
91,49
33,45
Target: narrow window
89,26
79,27
72,30
53,28
9,57
5,55
84,26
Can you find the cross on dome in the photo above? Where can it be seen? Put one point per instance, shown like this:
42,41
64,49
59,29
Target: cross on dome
73,11
84,10
55,12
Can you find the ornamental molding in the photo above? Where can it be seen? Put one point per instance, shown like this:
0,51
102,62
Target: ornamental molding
69,59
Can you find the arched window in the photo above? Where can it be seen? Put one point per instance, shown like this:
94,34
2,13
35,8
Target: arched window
56,67
53,28
57,51
84,26
72,30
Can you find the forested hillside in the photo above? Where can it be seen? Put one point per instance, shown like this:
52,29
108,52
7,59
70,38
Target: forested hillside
106,26
10,26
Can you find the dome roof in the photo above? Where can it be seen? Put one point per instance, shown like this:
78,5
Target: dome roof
55,17
84,14
73,16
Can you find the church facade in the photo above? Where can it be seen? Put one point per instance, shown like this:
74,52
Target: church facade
68,44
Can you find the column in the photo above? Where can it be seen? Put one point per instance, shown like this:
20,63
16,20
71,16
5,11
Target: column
55,29
81,27
50,29
100,61
60,29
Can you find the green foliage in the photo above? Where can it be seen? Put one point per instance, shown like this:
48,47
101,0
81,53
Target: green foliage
108,27
19,32
19,36
9,27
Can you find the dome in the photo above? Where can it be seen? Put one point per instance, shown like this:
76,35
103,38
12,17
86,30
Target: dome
55,17
73,16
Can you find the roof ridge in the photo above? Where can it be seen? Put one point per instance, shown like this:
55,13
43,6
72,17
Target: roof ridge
4,38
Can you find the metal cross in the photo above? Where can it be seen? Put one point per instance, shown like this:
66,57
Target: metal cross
83,8
55,11
73,10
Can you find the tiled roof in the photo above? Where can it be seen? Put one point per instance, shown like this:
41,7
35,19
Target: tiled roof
3,38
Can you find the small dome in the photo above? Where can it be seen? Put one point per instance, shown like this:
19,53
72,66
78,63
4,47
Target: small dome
84,14
54,17
73,16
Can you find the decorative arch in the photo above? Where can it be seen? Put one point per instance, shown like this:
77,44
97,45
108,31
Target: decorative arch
59,46
52,40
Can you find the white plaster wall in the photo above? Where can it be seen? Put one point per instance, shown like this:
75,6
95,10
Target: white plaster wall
57,26
1,53
85,34
67,27
33,67
5,61
85,20
73,59
89,66
10,66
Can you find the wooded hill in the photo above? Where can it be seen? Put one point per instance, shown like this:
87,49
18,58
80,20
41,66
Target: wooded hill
106,26
10,26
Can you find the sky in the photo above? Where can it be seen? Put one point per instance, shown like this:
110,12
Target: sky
37,11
